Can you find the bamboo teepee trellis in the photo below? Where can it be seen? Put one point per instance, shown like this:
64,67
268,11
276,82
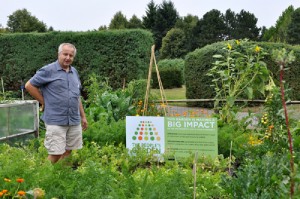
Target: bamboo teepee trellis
161,89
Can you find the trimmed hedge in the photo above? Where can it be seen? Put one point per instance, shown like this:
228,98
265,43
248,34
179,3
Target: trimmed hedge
170,72
198,62
117,54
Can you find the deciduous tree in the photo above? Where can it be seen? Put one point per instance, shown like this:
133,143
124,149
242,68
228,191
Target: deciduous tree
173,44
103,27
210,28
187,24
135,22
281,27
119,21
23,21
293,32
50,29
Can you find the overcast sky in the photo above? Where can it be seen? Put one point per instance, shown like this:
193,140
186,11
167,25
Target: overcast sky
83,15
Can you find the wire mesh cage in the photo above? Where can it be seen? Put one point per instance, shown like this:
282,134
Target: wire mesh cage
19,118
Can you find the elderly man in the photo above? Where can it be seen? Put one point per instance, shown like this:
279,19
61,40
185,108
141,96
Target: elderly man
57,88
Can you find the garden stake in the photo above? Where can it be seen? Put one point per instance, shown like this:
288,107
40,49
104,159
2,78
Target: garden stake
229,168
195,173
148,82
161,89
22,89
2,86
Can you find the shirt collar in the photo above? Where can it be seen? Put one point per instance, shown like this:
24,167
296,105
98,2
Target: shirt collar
58,67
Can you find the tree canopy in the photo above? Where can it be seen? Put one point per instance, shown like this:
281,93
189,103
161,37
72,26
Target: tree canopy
196,32
279,32
245,26
187,24
149,18
160,19
173,44
210,28
23,21
293,31
119,21
135,22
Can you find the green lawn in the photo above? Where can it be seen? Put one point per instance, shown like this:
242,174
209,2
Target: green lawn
171,94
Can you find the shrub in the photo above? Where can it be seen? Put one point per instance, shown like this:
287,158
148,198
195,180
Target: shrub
171,73
120,55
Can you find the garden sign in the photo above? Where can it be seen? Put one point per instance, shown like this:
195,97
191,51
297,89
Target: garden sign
182,136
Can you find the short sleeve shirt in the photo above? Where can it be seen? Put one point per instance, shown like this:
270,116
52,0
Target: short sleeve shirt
61,92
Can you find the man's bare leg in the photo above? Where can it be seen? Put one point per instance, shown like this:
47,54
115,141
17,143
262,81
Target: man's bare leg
66,154
54,158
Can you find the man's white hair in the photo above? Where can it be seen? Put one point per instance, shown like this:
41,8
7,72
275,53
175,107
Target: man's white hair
66,44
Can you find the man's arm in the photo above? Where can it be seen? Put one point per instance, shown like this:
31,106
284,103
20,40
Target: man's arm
84,123
35,93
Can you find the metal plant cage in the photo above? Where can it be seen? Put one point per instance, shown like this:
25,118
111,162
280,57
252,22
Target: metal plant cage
18,118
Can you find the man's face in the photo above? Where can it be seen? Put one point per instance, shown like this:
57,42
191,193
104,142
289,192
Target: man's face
66,56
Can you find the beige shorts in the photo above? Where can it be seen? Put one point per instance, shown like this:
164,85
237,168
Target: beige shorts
58,139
